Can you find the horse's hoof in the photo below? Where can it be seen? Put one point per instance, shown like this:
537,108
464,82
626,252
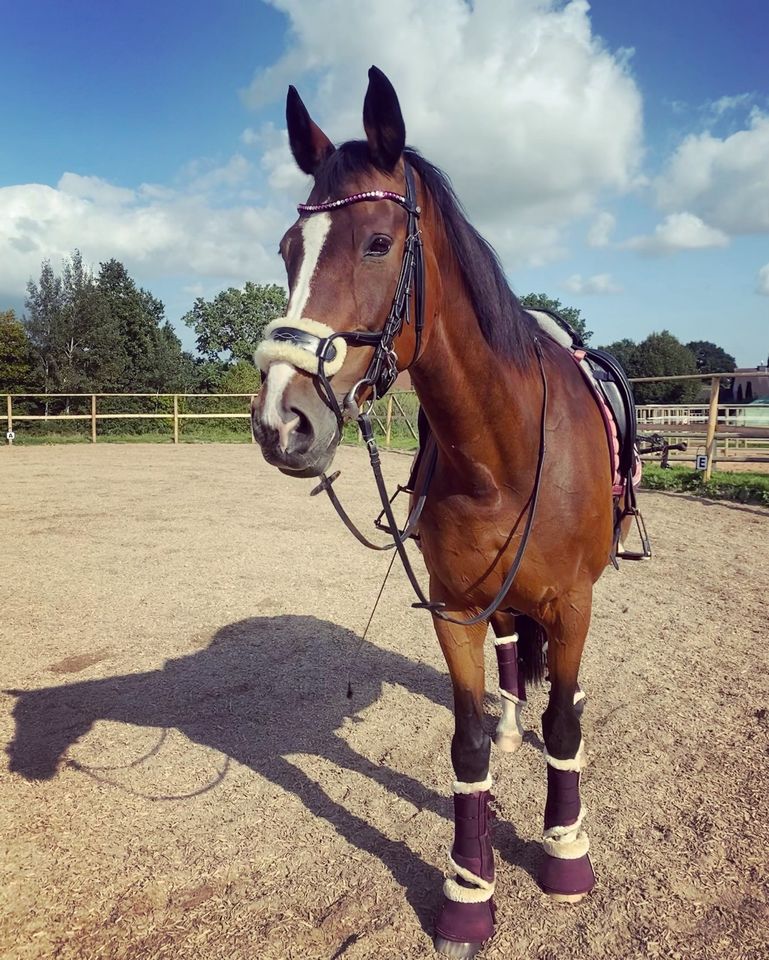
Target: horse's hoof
567,881
450,948
567,897
463,928
508,742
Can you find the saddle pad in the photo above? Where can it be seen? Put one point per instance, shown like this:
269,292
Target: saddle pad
612,392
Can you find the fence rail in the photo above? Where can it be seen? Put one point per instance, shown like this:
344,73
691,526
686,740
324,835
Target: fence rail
726,431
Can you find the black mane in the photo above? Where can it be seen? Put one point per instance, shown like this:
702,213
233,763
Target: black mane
505,325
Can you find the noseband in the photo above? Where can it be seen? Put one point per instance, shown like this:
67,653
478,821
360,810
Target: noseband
315,347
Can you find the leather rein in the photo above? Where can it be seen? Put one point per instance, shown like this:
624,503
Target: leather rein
379,377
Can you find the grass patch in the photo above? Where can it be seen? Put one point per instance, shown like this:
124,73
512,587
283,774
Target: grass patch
740,487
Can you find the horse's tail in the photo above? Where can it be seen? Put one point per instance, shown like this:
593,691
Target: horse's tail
532,653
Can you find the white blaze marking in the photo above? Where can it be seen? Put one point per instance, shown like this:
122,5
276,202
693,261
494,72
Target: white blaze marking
314,232
277,380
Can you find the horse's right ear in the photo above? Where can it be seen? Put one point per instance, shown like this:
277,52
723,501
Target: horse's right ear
309,144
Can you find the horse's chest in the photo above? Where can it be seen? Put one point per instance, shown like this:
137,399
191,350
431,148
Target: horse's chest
461,537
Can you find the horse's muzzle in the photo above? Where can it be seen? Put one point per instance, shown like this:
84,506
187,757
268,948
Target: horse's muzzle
295,448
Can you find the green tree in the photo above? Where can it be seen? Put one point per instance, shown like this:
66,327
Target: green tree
135,325
87,339
151,353
711,358
230,326
74,338
242,377
541,301
100,334
16,361
44,305
662,355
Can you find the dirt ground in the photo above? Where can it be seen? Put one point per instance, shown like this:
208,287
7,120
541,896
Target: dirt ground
186,778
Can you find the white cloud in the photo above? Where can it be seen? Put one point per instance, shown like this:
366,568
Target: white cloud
763,281
206,177
279,166
725,181
600,283
601,230
95,189
678,231
531,116
155,231
717,108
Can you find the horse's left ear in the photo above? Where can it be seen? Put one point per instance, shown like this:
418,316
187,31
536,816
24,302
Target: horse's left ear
309,144
383,121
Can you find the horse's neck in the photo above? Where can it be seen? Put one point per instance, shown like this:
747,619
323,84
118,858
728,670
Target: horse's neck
484,414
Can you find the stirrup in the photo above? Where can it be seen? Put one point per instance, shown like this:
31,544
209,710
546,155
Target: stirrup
646,549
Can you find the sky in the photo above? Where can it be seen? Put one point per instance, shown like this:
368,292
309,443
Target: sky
616,154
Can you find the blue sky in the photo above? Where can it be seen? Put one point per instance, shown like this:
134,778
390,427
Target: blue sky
616,154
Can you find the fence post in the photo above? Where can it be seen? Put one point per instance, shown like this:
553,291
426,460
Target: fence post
250,423
176,418
710,440
389,421
93,418
9,407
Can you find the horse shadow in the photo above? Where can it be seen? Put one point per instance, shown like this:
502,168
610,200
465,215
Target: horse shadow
263,689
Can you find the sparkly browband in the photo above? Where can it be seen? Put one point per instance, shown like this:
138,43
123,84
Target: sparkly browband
358,198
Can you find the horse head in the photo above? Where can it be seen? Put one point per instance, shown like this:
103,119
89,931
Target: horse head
353,262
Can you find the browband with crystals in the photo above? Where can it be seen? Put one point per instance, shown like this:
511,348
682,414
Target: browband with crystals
358,198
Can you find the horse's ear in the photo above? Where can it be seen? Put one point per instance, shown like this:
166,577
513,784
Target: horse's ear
309,144
383,121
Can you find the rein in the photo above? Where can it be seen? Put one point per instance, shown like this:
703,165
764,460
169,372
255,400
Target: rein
380,376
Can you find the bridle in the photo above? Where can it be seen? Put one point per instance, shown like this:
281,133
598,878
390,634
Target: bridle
379,377
383,369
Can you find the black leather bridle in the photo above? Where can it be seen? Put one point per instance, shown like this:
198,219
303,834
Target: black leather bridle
383,369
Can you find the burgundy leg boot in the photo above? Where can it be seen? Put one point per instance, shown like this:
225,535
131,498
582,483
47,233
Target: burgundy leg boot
512,690
566,873
467,917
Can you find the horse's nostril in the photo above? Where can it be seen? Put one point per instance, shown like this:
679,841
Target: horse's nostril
303,428
285,429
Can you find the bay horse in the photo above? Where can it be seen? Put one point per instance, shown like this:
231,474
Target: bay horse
517,521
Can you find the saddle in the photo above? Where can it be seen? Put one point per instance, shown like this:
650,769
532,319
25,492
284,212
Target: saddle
611,390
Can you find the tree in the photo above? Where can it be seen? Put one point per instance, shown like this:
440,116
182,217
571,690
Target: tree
74,339
44,305
87,338
711,358
662,355
230,325
99,334
541,301
242,377
151,353
15,354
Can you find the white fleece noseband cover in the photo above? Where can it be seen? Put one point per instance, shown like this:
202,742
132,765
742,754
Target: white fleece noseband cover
272,350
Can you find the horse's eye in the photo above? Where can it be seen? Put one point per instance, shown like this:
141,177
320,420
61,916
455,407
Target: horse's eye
379,246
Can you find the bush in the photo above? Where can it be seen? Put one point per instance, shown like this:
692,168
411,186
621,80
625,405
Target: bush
740,487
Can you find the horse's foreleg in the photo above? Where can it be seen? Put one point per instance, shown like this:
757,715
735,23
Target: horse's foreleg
567,873
467,916
512,690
